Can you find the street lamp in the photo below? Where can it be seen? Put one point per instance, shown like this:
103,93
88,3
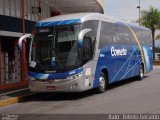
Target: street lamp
139,7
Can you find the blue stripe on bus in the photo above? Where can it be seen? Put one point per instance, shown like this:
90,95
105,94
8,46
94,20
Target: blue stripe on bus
57,23
125,64
124,68
55,75
148,57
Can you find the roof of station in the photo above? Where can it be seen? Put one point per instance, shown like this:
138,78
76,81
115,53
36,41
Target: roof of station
76,6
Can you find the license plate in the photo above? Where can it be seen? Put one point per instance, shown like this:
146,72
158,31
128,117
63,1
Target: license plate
51,88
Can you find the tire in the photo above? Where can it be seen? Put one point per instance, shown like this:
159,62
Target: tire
141,73
102,83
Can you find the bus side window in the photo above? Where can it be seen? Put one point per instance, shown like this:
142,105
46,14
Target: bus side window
87,51
115,39
106,34
93,25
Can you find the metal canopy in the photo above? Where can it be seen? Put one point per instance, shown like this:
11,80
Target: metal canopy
74,6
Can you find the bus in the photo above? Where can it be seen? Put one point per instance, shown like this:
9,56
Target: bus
78,52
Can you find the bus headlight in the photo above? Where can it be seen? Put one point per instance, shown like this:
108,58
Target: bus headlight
75,76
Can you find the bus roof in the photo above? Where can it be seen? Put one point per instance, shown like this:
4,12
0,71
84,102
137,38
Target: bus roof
80,18
74,18
71,16
67,19
138,27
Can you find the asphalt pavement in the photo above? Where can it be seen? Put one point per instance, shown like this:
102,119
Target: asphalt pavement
130,96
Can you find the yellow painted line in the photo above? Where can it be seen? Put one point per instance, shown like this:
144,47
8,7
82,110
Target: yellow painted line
9,101
139,45
14,100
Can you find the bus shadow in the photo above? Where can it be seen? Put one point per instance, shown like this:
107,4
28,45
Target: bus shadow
77,96
124,82
61,96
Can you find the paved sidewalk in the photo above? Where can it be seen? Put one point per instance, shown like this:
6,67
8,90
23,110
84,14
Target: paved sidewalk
15,96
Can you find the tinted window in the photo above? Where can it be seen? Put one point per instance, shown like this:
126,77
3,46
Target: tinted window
115,34
92,24
144,36
106,34
89,39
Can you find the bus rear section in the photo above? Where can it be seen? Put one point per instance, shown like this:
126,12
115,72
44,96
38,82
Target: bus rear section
125,52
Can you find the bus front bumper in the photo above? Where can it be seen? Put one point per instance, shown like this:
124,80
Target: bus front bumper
76,85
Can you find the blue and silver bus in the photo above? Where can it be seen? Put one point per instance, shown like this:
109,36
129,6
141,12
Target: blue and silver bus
78,52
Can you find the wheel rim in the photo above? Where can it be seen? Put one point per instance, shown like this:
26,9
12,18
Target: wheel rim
102,82
141,72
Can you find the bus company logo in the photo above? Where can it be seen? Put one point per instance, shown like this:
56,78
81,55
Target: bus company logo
118,52
72,72
43,30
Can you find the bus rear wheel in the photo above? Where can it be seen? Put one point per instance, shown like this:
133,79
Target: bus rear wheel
141,73
102,83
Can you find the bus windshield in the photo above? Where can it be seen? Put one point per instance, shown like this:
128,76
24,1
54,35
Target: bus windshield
55,49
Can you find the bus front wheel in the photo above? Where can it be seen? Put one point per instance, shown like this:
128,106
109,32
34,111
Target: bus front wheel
102,83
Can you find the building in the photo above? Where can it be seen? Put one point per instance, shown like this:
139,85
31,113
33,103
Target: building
17,17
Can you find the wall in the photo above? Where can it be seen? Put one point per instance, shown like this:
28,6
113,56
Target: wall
15,24
13,8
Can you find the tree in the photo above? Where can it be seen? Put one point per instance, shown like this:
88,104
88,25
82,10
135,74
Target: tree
151,19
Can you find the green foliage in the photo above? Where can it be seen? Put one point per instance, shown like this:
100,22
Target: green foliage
151,18
157,50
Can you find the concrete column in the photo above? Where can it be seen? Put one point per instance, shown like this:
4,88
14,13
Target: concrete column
0,60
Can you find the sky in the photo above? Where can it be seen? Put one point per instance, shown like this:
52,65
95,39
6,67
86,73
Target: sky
126,9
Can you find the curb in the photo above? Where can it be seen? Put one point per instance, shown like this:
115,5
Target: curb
15,100
156,62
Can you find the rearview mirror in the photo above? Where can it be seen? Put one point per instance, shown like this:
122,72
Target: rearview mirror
21,39
81,36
